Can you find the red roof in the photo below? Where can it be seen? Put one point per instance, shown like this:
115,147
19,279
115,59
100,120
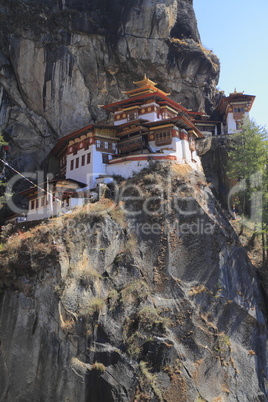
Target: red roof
44,184
132,123
62,142
184,123
235,97
140,99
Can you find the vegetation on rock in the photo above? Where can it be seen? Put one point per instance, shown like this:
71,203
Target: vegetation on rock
247,165
132,314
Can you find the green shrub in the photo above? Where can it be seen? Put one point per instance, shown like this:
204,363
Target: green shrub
95,306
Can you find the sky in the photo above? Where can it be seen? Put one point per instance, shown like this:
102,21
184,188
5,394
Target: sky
237,32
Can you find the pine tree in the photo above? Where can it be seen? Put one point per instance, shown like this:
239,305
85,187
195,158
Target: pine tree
249,154
248,164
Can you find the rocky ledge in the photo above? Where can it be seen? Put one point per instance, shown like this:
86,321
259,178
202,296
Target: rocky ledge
149,297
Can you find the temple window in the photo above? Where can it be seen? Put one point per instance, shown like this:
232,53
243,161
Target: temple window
37,203
77,163
163,138
88,157
104,145
105,158
132,116
72,165
83,160
32,204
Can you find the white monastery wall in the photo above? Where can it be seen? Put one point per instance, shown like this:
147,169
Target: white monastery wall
231,123
119,122
127,169
186,150
179,148
85,174
51,209
97,168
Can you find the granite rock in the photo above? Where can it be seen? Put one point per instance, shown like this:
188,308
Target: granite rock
61,60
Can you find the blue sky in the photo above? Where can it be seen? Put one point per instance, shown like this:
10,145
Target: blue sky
237,32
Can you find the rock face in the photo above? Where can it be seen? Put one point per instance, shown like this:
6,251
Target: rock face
147,299
214,163
60,60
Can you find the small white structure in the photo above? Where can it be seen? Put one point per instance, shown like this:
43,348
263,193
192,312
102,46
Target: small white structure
59,196
233,110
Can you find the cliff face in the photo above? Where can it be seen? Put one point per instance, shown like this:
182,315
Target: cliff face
60,60
214,163
147,299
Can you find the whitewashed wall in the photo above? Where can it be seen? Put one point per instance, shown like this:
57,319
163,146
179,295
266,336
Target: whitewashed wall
126,169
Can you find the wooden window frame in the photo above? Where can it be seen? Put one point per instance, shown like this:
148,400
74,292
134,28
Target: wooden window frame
105,158
163,138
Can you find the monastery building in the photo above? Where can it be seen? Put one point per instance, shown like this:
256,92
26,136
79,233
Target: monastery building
148,127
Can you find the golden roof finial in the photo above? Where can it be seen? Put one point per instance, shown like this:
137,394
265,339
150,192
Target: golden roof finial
145,81
145,86
236,92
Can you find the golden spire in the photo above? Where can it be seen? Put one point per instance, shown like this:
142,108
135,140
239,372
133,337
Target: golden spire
145,82
145,86
236,93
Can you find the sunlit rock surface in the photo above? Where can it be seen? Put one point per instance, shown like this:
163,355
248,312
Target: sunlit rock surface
154,299
61,60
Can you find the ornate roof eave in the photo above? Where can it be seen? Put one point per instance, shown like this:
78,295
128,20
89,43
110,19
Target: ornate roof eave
144,86
137,122
32,190
157,95
235,97
206,122
144,90
144,81
180,121
63,142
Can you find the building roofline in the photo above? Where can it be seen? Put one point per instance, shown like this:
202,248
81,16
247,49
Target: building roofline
62,142
113,106
56,179
176,119
235,97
